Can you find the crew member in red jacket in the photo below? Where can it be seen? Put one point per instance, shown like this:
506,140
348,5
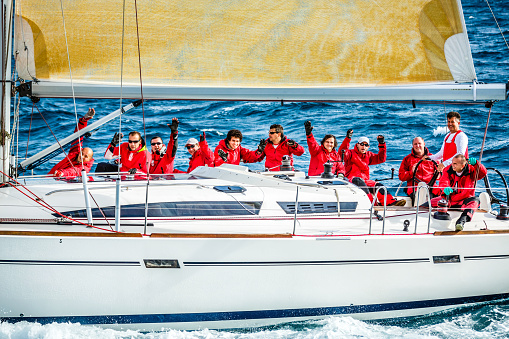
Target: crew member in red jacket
325,151
162,157
78,157
407,168
201,155
275,147
230,151
458,186
134,156
357,161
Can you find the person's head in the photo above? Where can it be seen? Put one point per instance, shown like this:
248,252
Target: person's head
233,139
362,145
418,146
85,155
453,121
275,133
458,162
134,140
192,145
157,144
329,142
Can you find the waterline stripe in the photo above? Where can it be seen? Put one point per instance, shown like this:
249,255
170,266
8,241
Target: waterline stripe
304,263
69,263
253,315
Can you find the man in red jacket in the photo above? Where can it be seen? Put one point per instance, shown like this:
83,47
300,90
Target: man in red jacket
277,146
162,157
424,172
357,161
134,156
230,151
458,186
201,155
78,157
325,151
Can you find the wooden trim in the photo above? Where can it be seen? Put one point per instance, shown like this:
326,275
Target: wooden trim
471,232
215,235
72,234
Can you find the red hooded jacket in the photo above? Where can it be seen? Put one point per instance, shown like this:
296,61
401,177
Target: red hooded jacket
320,155
463,184
163,164
202,157
357,164
424,172
275,155
234,155
69,166
139,158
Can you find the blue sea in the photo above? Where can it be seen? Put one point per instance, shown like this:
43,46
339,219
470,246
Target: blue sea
399,123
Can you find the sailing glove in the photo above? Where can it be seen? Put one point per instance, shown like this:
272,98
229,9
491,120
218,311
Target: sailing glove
308,127
261,146
174,126
133,171
472,161
90,114
381,139
202,137
223,155
349,133
116,139
448,190
291,143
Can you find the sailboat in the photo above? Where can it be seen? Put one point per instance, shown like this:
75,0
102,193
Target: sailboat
226,247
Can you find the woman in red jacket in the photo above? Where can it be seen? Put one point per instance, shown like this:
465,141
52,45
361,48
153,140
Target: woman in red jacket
357,161
230,151
325,151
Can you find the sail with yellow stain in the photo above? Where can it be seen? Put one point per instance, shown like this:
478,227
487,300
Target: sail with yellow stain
248,50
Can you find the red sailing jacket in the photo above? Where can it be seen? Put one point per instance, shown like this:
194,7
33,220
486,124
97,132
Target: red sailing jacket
424,172
202,157
234,155
163,164
320,155
463,185
69,166
357,164
275,155
132,159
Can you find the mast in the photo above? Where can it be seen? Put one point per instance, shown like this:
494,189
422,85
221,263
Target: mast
5,114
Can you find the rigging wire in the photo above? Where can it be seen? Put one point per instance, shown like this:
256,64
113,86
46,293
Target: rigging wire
482,145
500,29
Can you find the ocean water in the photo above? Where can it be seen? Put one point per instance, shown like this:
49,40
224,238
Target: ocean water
399,123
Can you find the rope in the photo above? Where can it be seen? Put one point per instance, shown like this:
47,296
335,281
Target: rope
29,130
501,33
482,146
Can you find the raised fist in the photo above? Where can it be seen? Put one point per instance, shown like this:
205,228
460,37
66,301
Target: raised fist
174,126
90,114
116,139
202,137
381,139
308,127
349,133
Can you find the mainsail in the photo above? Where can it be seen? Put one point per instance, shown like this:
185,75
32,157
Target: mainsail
249,49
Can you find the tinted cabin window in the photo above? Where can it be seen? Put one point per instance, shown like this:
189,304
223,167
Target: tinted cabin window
318,207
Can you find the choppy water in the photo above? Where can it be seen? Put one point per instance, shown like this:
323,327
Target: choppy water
399,123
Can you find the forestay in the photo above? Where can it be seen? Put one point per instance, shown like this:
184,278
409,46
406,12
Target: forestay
251,49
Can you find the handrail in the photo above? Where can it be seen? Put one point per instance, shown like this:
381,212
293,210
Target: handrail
373,205
418,192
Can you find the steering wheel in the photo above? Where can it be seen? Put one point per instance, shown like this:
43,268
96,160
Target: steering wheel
433,178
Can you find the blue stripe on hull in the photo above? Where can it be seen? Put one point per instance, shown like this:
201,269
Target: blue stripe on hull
264,314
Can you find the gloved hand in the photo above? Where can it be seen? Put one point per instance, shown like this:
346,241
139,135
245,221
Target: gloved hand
58,173
472,161
381,139
90,114
202,137
349,133
448,190
133,171
174,126
308,127
223,155
261,146
116,139
291,143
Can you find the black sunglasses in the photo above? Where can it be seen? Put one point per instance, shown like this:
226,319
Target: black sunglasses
190,146
272,132
364,144
133,141
156,143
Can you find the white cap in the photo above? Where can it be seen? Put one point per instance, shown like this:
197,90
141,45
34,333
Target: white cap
363,139
192,141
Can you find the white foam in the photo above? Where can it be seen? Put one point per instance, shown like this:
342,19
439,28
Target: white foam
440,130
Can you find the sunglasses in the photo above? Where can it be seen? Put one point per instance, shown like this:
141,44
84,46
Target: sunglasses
190,146
156,143
133,141
364,144
272,132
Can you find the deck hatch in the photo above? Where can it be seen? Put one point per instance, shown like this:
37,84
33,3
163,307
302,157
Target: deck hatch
318,207
444,259
161,263
230,189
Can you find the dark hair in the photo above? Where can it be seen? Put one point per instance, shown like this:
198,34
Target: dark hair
139,136
453,114
277,127
156,137
327,137
233,133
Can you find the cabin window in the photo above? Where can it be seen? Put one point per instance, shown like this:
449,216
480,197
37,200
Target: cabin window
318,207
